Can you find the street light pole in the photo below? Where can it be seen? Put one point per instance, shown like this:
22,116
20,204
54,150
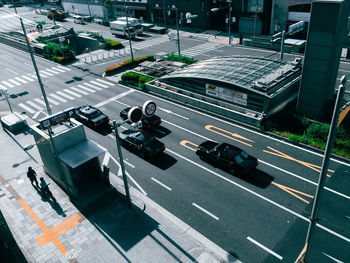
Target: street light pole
177,29
229,23
164,14
256,14
127,24
282,43
88,2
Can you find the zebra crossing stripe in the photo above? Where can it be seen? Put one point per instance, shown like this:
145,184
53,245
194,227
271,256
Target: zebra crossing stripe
98,84
79,91
92,86
34,76
53,101
72,93
7,84
86,88
57,69
57,97
34,105
27,78
65,95
40,101
52,71
45,73
64,68
14,82
26,108
21,80
105,82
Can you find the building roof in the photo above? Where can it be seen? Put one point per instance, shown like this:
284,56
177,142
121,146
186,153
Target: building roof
259,74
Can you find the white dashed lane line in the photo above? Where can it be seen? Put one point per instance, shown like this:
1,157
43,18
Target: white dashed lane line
265,248
160,183
205,211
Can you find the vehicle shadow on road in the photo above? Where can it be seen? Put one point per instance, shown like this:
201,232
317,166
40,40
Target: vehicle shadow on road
160,132
105,130
163,161
257,178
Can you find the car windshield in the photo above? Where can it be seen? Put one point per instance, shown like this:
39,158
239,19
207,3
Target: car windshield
239,158
95,114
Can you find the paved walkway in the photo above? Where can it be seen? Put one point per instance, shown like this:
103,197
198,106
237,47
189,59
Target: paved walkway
107,230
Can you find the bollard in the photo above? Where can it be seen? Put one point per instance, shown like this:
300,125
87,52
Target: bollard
105,175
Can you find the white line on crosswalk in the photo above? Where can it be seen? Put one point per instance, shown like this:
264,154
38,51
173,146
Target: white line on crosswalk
64,68
34,105
27,78
40,101
72,93
14,82
79,91
21,80
7,84
92,86
86,88
26,108
105,82
55,68
52,71
98,84
45,73
53,101
34,76
65,95
57,97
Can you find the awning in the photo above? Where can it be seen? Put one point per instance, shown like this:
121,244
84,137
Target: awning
80,153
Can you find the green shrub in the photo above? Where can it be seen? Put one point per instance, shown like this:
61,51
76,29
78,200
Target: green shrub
135,79
181,58
113,44
318,131
295,138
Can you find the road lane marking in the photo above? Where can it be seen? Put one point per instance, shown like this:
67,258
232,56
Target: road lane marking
34,105
257,195
173,113
205,211
14,82
265,248
293,192
52,71
57,97
184,129
12,71
57,69
64,68
43,72
86,88
26,108
238,126
125,93
79,91
21,80
40,101
65,95
53,101
335,260
105,82
283,155
348,217
7,84
233,136
27,78
160,183
92,86
98,84
185,142
72,93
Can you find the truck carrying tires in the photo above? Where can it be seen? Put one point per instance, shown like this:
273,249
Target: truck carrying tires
120,28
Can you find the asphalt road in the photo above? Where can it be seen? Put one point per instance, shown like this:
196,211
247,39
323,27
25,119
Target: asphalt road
261,218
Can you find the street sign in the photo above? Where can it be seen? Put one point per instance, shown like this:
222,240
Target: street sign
276,37
57,118
4,91
149,108
135,114
295,28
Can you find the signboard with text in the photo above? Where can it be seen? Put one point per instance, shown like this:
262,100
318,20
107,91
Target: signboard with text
227,94
57,118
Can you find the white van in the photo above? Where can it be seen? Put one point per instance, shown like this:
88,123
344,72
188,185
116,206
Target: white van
136,23
120,28
78,20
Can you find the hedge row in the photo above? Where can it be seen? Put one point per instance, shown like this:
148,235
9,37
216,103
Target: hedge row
135,79
57,53
113,44
181,58
127,64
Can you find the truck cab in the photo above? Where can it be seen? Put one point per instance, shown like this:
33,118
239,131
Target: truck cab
133,22
121,28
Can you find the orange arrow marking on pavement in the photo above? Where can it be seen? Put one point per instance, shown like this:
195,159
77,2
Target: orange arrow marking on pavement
293,192
230,135
185,144
283,155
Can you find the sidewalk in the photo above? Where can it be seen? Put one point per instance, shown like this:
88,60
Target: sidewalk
105,231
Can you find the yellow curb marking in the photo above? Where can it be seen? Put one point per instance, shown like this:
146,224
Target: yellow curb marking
283,155
232,136
185,142
293,192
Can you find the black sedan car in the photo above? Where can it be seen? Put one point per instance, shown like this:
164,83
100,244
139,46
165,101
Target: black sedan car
227,157
91,116
141,142
147,122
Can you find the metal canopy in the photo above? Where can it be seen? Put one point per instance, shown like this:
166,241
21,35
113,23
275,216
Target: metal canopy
80,153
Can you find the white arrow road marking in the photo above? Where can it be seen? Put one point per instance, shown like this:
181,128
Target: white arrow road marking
170,112
335,260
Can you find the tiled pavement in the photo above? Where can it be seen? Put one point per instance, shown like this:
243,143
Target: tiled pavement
105,231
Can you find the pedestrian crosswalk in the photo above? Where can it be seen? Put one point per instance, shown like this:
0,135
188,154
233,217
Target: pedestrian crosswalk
36,105
151,42
203,35
24,79
200,49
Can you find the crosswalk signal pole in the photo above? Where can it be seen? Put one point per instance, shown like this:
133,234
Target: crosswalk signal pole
127,24
49,111
177,29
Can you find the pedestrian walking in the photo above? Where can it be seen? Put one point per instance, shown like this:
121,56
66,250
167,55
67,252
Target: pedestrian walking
31,174
45,190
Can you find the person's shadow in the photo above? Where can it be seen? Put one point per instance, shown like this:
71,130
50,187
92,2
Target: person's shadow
52,201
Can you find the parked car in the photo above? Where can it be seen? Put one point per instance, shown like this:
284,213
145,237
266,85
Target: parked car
141,142
227,157
78,20
147,122
91,116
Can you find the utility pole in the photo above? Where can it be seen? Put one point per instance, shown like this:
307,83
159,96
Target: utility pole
304,256
282,43
88,2
127,24
256,14
164,15
49,111
229,23
177,29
